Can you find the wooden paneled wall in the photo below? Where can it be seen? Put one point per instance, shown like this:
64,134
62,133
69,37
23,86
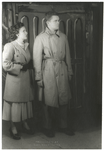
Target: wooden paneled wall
8,19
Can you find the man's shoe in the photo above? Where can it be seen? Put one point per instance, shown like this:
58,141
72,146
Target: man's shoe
67,131
48,132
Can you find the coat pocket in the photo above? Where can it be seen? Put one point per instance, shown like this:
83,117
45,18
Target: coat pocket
13,78
15,70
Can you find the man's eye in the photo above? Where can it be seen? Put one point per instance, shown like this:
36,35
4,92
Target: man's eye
57,20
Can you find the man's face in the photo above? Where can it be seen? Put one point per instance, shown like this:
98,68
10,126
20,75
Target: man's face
53,23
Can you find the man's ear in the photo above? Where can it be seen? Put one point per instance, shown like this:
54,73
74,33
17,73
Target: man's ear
47,22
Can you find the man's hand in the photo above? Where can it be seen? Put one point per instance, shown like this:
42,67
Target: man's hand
70,77
40,83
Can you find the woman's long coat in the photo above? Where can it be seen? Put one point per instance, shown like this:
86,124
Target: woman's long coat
52,64
18,86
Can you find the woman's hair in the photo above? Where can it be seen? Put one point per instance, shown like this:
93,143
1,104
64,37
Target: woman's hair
14,30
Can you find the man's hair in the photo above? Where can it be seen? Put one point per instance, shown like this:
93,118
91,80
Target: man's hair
49,14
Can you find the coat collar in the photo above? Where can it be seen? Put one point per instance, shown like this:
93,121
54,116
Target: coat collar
48,31
25,45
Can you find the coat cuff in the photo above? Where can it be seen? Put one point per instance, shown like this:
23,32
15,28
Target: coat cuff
38,75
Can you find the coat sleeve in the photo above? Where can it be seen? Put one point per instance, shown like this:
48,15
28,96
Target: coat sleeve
68,58
8,65
37,57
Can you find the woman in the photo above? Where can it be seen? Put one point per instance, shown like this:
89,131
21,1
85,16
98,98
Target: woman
18,94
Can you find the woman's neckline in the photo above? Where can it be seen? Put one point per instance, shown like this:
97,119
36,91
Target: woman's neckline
21,44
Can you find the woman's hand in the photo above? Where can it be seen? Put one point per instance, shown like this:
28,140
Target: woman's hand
21,66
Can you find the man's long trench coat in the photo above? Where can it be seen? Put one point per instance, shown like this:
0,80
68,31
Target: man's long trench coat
52,64
18,86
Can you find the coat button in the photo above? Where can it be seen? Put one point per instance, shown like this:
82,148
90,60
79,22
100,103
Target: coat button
17,55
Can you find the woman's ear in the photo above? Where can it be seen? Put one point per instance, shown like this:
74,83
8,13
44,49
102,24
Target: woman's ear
17,35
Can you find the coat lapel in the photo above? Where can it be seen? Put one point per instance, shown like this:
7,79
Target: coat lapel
21,50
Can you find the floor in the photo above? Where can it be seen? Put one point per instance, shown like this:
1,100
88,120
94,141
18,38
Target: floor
83,139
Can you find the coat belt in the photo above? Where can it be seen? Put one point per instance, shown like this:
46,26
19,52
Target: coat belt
53,59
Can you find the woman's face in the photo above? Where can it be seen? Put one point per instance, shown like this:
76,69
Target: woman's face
22,33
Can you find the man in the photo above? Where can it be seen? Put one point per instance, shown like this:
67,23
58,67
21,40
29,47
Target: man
52,64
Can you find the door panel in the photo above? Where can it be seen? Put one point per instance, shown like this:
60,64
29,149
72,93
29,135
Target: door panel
79,38
25,20
75,31
73,25
62,26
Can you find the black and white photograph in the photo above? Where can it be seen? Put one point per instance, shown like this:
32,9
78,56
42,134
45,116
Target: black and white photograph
51,70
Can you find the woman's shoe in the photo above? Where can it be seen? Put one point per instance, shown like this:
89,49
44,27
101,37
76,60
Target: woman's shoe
28,131
14,136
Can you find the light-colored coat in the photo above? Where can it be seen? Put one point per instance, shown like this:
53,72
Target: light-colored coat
18,87
52,64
